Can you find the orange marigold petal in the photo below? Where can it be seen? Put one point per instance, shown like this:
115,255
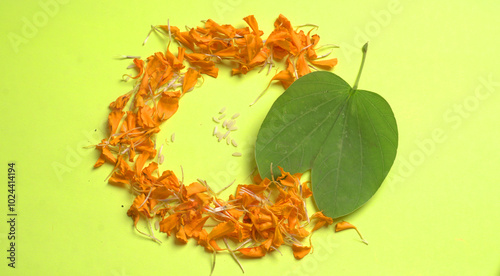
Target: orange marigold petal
222,229
190,79
195,188
181,235
325,63
167,105
343,225
306,191
139,66
145,117
114,119
252,22
300,252
139,163
302,67
170,223
195,227
120,102
322,220
253,252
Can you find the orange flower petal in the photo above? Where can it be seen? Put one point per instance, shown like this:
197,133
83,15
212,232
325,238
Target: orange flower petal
139,66
306,192
181,235
322,220
145,117
167,105
278,237
195,227
114,119
222,229
302,67
170,223
253,252
227,52
344,225
139,163
119,179
252,22
195,188
120,102
300,252
190,79
325,64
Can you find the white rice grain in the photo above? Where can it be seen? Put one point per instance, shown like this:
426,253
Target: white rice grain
172,138
237,154
236,115
215,131
222,110
160,156
233,128
233,142
219,136
230,123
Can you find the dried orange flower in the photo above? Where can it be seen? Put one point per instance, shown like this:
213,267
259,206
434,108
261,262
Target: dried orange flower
260,217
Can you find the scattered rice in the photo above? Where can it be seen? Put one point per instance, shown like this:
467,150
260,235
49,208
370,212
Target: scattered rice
172,138
237,154
230,125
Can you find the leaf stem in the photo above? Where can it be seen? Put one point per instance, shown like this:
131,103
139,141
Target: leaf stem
364,50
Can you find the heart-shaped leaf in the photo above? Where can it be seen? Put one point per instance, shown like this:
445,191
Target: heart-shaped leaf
347,137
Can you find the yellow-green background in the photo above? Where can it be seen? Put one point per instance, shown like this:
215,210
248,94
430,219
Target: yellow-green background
436,214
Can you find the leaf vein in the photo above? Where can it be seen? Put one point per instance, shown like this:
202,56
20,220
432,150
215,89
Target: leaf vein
340,158
376,134
294,120
308,135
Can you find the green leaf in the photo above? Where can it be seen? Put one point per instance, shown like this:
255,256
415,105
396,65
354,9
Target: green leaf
347,137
